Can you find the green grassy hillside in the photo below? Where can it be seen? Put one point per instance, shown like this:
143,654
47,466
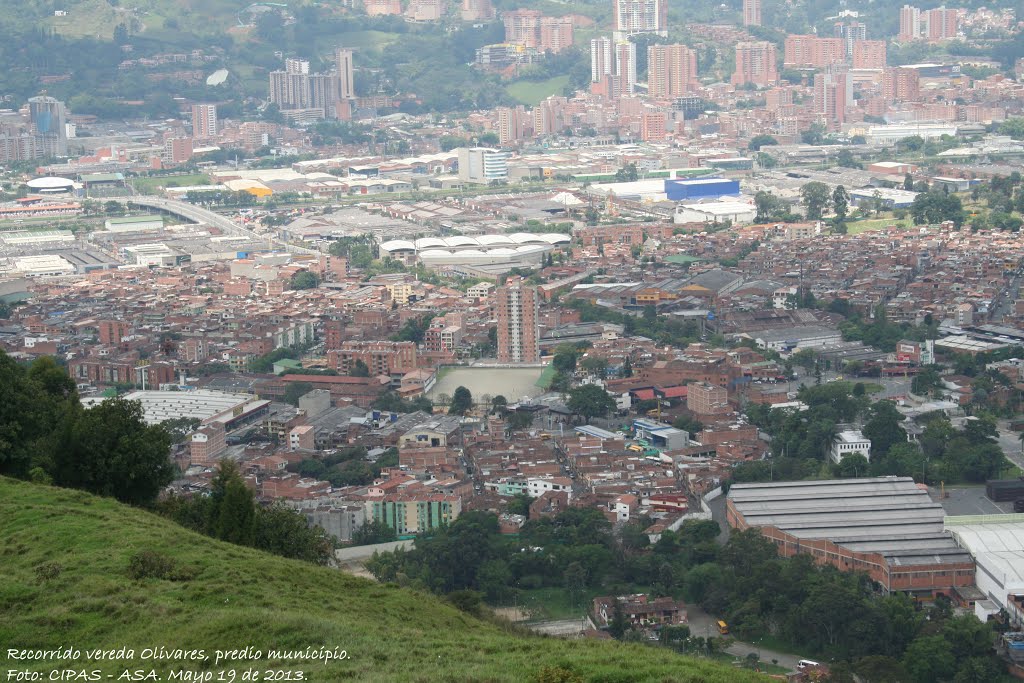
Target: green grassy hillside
97,18
65,559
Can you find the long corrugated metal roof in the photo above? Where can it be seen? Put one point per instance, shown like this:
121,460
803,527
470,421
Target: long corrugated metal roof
887,515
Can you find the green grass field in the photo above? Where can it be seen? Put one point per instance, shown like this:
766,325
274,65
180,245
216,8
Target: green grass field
65,557
858,227
532,92
546,604
365,39
91,18
151,185
546,377
98,18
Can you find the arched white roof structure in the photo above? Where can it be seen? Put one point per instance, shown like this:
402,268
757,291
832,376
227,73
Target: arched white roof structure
524,237
392,246
489,240
430,242
51,184
555,238
460,241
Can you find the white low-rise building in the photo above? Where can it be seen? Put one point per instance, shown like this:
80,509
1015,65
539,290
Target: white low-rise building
715,212
793,338
538,487
997,544
43,265
894,132
850,441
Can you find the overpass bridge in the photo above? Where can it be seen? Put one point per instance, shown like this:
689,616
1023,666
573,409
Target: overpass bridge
198,214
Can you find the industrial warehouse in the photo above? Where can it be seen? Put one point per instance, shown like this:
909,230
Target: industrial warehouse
888,527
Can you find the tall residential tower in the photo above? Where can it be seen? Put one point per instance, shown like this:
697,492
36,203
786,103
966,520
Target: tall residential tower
518,328
639,16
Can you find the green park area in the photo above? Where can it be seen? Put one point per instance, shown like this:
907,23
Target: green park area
532,92
152,185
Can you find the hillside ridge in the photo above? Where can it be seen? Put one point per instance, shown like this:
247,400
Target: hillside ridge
68,558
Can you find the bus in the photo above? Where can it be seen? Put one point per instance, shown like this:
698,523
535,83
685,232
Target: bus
723,627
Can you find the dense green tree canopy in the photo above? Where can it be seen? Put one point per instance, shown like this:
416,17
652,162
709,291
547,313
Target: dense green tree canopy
462,401
590,400
111,451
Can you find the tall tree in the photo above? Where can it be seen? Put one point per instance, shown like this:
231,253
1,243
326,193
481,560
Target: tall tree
590,401
759,141
840,203
236,515
929,659
499,405
111,451
359,369
36,408
815,197
304,280
295,391
282,531
618,624
462,401
883,428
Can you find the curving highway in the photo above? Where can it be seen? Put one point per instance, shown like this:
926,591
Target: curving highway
198,214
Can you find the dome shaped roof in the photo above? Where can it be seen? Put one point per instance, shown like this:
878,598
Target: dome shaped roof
428,242
398,245
460,241
494,239
524,237
555,238
50,183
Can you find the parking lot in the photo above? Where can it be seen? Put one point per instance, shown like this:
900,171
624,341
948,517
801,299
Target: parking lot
968,500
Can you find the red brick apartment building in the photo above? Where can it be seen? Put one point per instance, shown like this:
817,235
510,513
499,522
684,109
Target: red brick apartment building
380,357
887,527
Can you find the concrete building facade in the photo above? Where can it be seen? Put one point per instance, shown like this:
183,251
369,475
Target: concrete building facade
518,329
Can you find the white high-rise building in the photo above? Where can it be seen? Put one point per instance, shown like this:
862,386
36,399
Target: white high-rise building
482,164
204,121
346,81
639,16
601,58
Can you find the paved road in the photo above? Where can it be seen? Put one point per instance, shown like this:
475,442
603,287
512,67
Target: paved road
201,215
1003,300
891,386
968,500
1010,443
703,625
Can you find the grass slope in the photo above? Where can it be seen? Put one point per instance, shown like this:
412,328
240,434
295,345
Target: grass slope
241,597
97,18
532,92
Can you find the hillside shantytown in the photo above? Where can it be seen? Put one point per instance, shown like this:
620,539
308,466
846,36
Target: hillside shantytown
697,327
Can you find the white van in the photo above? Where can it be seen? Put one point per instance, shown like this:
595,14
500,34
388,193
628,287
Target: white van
806,663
